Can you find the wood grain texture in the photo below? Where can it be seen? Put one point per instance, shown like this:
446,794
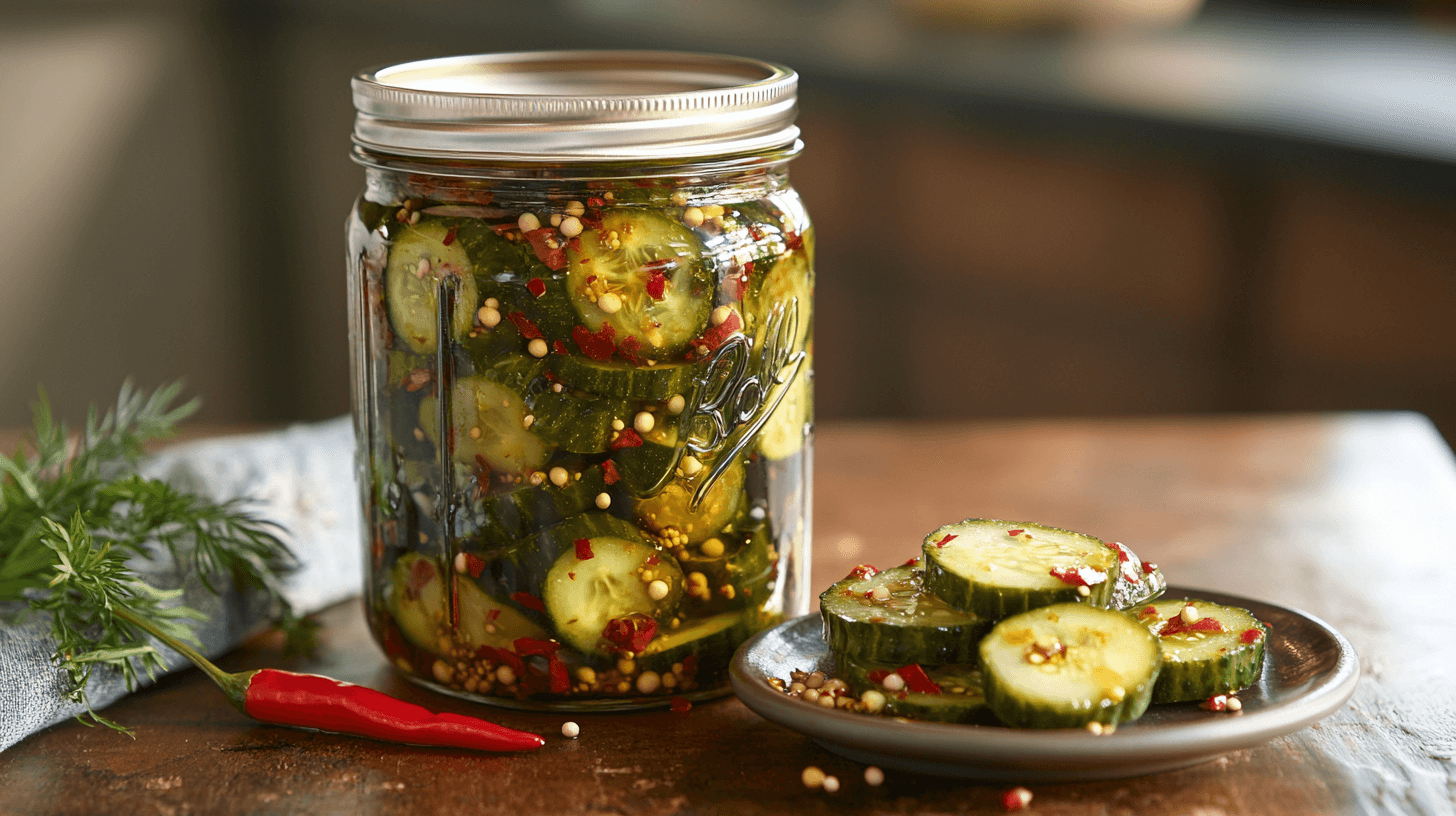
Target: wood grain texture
1349,517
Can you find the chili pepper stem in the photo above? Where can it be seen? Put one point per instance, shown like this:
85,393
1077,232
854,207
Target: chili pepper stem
234,685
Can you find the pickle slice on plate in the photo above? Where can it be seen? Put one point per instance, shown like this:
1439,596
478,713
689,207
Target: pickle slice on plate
641,274
888,617
1211,650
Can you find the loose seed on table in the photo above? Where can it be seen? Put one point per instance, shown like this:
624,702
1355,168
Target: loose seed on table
1016,799
830,784
874,777
812,777
1234,704
570,730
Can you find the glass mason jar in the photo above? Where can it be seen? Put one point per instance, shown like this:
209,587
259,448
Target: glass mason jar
581,320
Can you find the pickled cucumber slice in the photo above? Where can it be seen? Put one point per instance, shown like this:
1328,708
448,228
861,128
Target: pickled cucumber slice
998,568
617,581
1200,661
498,413
634,256
790,279
418,260
711,641
499,520
906,625
1069,664
576,422
625,380
961,698
670,510
417,604
783,435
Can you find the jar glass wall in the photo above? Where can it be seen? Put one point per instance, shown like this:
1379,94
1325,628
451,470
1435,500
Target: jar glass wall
583,397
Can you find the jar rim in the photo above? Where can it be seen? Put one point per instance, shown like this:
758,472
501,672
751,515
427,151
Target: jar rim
575,106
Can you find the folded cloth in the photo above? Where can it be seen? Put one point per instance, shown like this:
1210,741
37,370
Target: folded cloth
301,478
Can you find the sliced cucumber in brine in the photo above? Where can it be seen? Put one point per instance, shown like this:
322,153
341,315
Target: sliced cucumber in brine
621,578
419,259
998,568
1069,664
417,604
790,280
783,435
488,419
577,422
641,274
671,512
712,640
888,617
1213,650
728,571
625,380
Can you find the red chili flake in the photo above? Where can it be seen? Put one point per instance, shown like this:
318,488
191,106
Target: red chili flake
948,539
1016,799
571,575
755,231
1218,702
1250,636
474,565
794,240
575,246
1120,550
449,237
504,657
560,346
502,229
594,201
492,614
1148,612
651,561
536,286
597,346
530,646
681,705
870,594
591,220
527,328
609,473
863,571
690,666
714,336
878,675
628,348
421,573
627,438
912,562
1176,626
1083,576
1016,532
528,600
583,549
657,285
559,679
417,379
541,241
1149,567
917,680
631,633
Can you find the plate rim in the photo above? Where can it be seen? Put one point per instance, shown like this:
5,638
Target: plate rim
982,749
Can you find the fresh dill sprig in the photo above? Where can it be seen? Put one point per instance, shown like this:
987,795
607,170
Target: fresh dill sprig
66,493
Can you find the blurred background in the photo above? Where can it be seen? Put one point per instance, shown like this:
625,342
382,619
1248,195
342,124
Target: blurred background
1025,207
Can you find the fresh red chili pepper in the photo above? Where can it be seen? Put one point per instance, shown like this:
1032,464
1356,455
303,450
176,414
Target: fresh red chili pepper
681,705
310,701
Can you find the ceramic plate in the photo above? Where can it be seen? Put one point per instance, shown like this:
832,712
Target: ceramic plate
1310,670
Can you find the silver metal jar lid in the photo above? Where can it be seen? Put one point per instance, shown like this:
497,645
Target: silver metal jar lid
576,106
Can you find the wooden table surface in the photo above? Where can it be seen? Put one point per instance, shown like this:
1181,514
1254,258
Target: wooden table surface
1349,517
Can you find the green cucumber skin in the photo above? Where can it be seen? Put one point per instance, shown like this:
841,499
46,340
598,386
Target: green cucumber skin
995,602
1011,708
626,381
885,642
945,707
500,520
524,565
1183,680
575,423
713,651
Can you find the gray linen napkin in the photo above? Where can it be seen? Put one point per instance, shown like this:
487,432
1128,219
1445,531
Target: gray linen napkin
302,478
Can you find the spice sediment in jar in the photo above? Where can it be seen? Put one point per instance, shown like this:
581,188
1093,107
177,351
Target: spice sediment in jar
593,554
